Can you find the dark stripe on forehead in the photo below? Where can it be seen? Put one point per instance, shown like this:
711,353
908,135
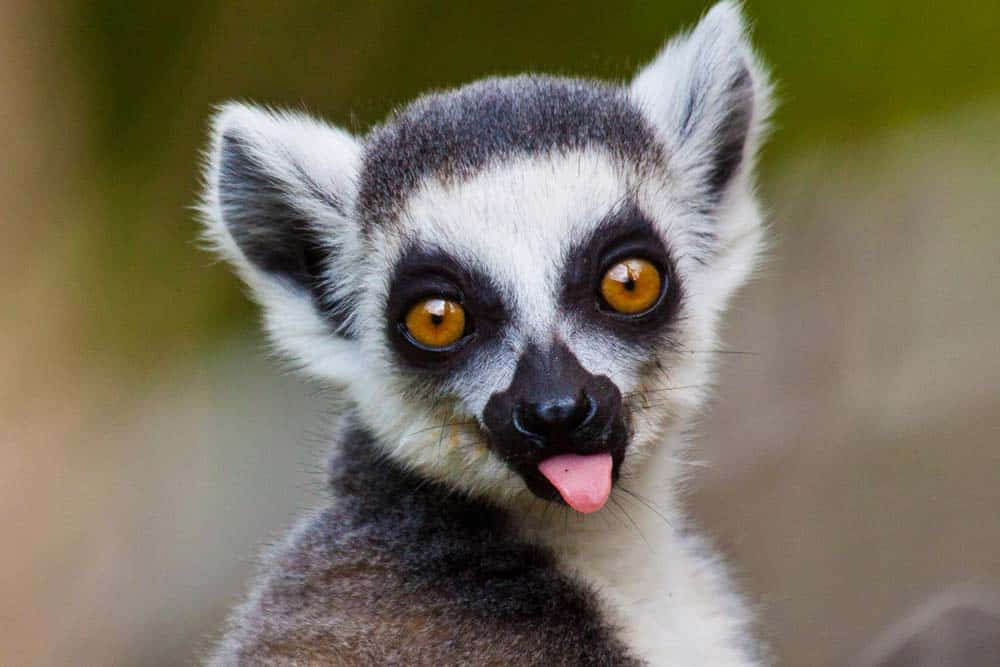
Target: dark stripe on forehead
456,133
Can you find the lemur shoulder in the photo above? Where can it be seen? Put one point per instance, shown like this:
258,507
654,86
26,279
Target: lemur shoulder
514,285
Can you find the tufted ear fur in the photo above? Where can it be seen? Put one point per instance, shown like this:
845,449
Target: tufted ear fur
709,97
278,200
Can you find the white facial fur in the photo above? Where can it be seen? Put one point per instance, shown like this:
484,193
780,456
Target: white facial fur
515,221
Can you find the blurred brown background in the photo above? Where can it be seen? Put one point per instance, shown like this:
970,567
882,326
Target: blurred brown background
148,447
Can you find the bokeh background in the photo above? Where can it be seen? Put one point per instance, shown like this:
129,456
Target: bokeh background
148,446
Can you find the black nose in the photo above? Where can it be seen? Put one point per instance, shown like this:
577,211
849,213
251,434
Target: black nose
554,417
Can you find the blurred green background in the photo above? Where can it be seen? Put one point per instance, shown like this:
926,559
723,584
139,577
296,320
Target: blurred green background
147,447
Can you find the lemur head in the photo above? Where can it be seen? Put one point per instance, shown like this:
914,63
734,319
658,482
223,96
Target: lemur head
515,282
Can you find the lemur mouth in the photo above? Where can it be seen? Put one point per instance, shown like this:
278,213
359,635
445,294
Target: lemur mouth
584,482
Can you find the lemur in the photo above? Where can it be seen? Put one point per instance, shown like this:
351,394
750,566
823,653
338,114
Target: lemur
516,286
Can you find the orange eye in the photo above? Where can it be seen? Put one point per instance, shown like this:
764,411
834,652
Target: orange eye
436,323
631,286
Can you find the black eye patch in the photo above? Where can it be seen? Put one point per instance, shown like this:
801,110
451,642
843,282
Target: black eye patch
625,233
425,273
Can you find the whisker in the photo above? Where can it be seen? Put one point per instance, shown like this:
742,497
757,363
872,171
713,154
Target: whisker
609,514
607,518
737,352
648,503
628,516
436,427
657,404
647,392
437,401
441,436
445,425
546,506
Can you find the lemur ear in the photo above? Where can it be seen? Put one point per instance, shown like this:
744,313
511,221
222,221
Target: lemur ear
709,97
278,200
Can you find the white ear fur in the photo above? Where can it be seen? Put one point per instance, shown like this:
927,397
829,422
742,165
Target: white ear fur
709,97
279,194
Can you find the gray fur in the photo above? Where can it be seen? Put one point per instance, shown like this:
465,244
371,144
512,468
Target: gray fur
455,133
413,575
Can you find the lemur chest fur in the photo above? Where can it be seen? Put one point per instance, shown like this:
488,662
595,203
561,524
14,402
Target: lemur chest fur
669,605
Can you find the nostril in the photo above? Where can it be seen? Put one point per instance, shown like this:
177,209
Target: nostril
561,415
589,408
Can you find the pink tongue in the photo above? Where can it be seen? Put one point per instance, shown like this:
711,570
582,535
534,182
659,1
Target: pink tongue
584,482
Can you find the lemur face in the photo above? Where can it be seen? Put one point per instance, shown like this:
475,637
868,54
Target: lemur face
515,282
533,297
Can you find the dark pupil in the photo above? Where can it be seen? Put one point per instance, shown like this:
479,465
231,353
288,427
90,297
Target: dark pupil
630,283
436,319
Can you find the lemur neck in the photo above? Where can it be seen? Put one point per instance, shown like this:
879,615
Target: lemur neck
642,512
